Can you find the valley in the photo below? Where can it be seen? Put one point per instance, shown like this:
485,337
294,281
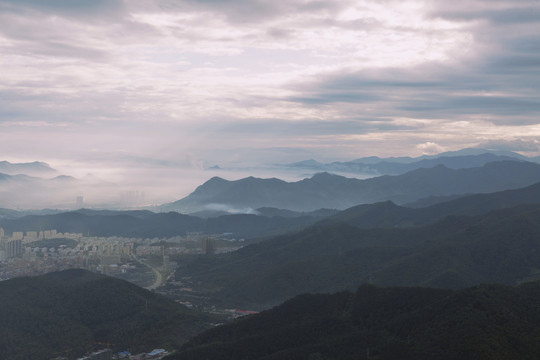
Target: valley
221,266
269,180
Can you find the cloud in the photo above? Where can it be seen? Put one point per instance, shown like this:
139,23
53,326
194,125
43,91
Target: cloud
502,12
230,209
89,9
531,145
252,11
443,91
430,148
116,83
284,129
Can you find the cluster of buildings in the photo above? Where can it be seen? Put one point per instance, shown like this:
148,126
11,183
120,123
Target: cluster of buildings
32,253
14,245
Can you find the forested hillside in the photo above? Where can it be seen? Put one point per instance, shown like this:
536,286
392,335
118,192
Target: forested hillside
493,322
72,311
501,246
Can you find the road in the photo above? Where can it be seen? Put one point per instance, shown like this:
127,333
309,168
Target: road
159,277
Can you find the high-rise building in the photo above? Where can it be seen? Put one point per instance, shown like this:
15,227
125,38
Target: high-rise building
208,246
92,262
109,249
79,202
14,248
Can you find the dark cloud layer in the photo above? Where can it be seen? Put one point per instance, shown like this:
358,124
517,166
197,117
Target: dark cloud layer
500,79
253,11
226,80
509,12
79,8
285,129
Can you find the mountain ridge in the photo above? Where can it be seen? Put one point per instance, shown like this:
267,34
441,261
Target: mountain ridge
31,168
326,190
453,252
377,166
141,223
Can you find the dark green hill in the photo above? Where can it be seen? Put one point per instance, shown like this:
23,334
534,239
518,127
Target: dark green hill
502,246
147,224
142,214
483,322
72,310
388,214
266,211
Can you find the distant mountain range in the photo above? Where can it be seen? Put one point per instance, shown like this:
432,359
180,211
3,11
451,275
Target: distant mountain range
70,312
36,168
326,190
26,189
375,166
450,245
36,185
21,179
483,322
263,222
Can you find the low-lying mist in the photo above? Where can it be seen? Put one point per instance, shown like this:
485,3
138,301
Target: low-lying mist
124,187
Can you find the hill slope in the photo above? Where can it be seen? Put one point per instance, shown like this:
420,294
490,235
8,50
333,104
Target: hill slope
45,315
388,214
484,322
147,224
502,246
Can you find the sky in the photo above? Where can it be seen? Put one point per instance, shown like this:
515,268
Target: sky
120,88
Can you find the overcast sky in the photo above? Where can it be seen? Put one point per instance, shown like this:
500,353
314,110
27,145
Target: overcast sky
99,84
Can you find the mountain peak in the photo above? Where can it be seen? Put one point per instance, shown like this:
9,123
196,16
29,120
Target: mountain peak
324,175
214,181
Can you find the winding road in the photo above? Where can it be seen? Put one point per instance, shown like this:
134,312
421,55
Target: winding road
159,277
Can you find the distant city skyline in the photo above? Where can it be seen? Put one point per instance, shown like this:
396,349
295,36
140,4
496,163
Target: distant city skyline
116,89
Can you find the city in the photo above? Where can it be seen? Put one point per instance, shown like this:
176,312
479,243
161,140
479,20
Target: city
31,253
